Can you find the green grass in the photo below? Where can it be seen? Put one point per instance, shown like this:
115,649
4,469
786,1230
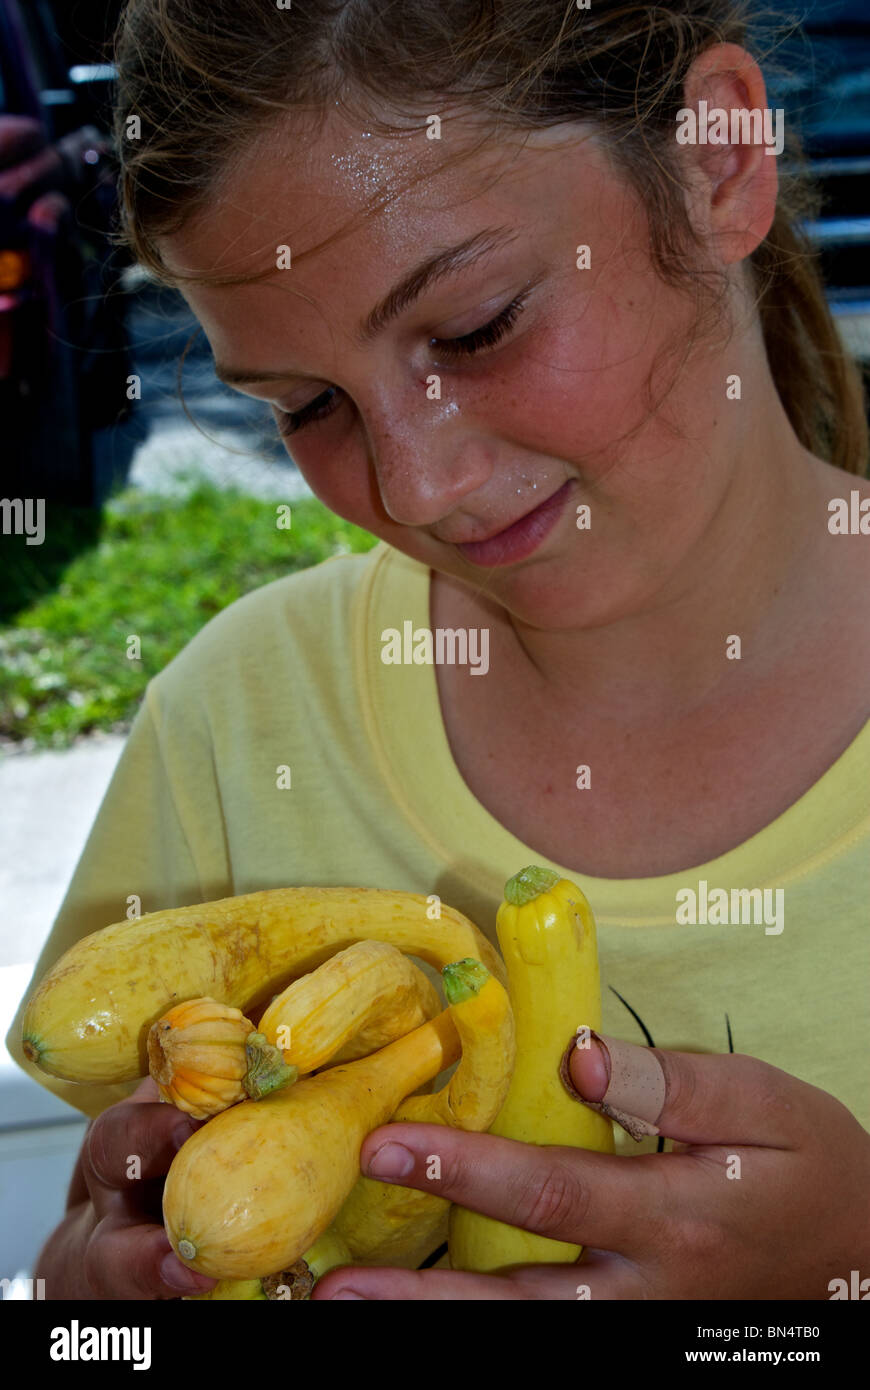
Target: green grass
146,566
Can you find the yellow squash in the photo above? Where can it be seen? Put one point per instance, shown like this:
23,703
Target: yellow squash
386,1224
352,1005
89,1017
292,1285
547,936
256,1186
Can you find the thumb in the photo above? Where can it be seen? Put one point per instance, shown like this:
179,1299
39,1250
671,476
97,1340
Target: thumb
694,1097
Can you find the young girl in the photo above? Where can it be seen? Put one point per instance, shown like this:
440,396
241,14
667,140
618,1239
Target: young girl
570,361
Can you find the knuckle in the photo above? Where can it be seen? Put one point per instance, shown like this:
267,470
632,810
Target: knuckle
114,1134
96,1148
786,1109
552,1200
449,1160
456,1168
122,1261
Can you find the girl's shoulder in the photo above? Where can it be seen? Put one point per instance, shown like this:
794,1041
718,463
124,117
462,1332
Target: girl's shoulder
306,607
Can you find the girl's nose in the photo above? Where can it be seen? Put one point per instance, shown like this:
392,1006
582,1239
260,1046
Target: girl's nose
426,457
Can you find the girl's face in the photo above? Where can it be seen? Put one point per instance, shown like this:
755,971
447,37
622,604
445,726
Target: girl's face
512,372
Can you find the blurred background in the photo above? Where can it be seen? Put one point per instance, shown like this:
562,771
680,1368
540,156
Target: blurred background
154,522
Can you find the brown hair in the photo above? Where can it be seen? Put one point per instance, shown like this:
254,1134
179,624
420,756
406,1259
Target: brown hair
206,77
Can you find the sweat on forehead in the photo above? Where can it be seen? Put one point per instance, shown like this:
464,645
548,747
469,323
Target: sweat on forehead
306,185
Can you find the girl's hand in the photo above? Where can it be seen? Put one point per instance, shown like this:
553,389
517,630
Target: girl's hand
766,1195
112,1243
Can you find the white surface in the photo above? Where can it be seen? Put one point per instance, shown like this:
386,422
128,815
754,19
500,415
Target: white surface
48,802
35,1170
40,1137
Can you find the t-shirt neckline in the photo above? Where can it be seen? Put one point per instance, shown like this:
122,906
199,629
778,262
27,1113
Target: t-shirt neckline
402,708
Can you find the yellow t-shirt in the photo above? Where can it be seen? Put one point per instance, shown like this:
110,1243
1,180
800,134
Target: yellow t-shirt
291,675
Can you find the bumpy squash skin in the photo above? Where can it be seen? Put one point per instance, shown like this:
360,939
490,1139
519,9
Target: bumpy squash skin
354,1004
206,1056
550,949
196,1054
88,1019
258,1184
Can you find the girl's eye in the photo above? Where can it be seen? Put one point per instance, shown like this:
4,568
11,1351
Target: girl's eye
487,336
289,421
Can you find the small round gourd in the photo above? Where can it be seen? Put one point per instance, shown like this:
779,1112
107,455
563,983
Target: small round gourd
206,1056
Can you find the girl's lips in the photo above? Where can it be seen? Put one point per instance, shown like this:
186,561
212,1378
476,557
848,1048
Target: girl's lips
519,540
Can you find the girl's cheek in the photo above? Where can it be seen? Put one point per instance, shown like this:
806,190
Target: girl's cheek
567,403
567,397
337,473
337,469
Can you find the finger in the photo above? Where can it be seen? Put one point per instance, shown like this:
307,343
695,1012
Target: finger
125,1260
604,1275
693,1097
416,1286
131,1142
601,1275
564,1193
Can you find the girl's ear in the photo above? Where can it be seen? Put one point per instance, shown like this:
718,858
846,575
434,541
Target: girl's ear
730,137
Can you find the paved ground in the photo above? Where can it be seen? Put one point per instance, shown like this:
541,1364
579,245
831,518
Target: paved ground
47,805
48,802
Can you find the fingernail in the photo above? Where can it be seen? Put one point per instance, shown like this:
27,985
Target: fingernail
590,1069
390,1161
348,1293
178,1276
635,1093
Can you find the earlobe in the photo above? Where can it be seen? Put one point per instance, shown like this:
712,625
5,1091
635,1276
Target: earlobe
731,136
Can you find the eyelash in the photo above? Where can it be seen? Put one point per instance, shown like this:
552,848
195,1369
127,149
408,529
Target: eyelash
291,421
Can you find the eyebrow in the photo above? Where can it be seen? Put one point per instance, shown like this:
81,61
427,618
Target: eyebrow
400,297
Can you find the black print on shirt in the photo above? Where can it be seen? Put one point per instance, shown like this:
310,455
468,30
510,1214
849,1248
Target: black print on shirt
648,1035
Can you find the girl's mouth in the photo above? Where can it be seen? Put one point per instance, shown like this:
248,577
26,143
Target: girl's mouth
520,539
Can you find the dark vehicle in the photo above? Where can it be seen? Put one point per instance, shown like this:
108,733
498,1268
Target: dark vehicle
63,345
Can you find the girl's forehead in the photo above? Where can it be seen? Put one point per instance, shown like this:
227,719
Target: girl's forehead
298,185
